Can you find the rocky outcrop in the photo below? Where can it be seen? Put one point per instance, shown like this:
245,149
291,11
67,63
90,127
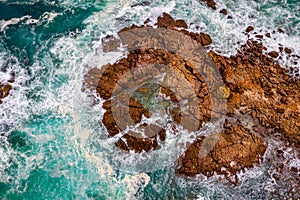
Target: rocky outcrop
256,87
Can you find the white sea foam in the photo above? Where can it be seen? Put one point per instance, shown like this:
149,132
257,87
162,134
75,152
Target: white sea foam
27,19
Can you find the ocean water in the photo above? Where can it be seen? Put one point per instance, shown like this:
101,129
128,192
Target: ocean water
52,142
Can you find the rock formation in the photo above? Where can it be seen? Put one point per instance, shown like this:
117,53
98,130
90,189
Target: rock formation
112,74
237,148
261,88
255,87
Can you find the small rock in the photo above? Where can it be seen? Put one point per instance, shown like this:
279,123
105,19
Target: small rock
223,11
166,21
287,50
206,39
210,3
280,30
273,54
268,35
143,3
4,91
249,29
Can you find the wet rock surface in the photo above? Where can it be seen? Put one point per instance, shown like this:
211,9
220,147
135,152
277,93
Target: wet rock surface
237,148
255,87
210,3
113,73
167,21
4,91
260,87
285,172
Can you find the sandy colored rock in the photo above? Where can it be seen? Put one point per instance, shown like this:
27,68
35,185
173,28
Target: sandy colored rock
110,43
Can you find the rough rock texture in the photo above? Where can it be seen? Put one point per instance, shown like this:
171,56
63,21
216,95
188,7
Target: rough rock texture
109,80
256,87
166,21
237,148
4,91
110,43
260,87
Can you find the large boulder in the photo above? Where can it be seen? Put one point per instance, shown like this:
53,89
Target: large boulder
237,148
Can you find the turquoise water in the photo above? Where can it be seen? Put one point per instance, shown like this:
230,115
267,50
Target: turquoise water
52,143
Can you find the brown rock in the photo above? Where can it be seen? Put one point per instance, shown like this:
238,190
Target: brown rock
205,39
273,54
236,149
258,88
260,85
181,24
129,142
249,29
287,50
223,11
4,91
166,21
109,80
210,3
